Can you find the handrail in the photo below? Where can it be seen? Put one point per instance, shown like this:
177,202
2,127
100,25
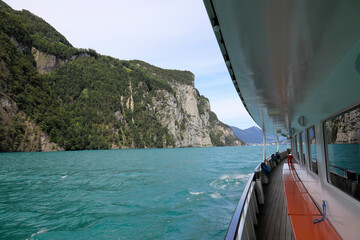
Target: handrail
346,172
235,221
258,168
334,166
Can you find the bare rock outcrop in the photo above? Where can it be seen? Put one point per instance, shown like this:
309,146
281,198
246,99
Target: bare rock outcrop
45,62
189,119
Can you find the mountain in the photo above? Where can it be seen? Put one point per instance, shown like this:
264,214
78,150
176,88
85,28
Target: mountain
254,135
57,97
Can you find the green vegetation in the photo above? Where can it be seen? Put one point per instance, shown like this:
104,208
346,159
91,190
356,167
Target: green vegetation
201,104
90,101
213,118
90,91
215,138
184,77
11,135
77,103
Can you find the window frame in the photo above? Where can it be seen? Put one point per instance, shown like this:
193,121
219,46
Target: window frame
325,145
298,147
302,157
295,146
309,150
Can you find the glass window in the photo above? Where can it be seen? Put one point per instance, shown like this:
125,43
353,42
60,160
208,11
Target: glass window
298,147
312,145
303,147
342,135
293,143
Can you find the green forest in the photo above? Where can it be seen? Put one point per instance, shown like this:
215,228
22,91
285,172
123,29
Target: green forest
75,103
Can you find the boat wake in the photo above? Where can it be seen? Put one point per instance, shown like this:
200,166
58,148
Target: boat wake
226,180
37,233
196,193
215,195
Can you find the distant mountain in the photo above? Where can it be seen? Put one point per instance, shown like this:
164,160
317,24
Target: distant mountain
254,135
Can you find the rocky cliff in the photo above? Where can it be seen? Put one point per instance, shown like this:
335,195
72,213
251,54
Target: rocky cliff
187,114
345,128
56,97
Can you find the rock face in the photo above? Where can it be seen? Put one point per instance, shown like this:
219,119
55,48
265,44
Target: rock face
345,128
46,62
188,117
179,113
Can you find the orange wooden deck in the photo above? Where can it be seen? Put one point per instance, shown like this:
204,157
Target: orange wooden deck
302,210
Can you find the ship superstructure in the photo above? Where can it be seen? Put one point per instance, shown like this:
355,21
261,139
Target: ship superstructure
296,68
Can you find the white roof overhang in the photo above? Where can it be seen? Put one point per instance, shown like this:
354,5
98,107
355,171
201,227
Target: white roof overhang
281,53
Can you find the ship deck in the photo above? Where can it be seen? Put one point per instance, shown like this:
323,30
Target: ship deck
273,220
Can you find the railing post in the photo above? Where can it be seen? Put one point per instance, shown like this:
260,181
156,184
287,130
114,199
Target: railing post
264,145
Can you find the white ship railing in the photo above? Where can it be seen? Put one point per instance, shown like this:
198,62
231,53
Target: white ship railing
245,215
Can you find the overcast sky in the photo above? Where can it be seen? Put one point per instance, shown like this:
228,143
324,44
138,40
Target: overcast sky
171,34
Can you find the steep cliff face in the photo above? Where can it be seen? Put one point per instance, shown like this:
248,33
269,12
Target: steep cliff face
184,117
187,114
188,124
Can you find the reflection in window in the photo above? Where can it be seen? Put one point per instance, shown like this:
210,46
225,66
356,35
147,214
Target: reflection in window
343,147
294,146
303,147
298,147
312,145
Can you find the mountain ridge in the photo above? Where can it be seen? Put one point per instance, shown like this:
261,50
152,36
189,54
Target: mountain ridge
254,135
57,97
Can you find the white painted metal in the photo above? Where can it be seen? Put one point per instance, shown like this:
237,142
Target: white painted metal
248,217
264,144
259,191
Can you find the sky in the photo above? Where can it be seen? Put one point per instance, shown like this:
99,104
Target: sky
171,34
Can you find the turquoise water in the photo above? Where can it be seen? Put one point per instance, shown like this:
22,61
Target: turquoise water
346,156
123,194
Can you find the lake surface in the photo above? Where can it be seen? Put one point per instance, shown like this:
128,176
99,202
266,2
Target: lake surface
346,156
187,193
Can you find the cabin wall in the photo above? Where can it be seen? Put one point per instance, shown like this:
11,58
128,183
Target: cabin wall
342,210
339,91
